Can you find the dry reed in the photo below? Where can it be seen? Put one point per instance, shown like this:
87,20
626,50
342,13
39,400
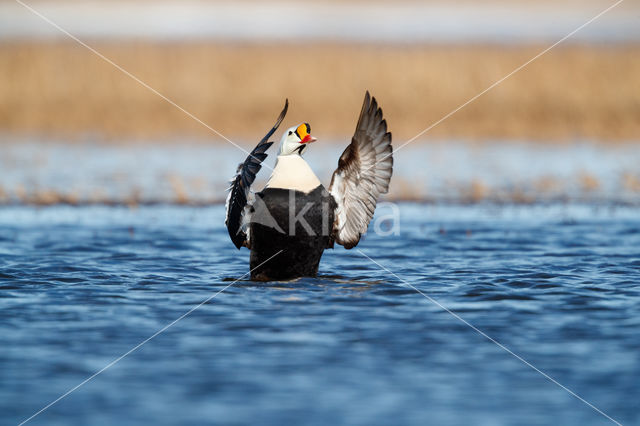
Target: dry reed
61,90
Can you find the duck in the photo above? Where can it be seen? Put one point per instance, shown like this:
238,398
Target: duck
294,218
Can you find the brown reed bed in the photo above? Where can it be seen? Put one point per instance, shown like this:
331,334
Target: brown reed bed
61,90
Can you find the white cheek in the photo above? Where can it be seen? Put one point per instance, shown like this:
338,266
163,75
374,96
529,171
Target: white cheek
292,146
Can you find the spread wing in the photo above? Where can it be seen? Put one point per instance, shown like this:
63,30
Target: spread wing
363,173
240,197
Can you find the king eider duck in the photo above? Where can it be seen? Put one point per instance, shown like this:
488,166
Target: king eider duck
288,225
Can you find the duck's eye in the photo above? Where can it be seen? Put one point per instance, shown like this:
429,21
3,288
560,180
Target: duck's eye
290,132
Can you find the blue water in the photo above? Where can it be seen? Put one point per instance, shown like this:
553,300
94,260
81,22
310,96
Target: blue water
558,285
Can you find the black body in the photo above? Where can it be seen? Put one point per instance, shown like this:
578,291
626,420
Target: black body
274,228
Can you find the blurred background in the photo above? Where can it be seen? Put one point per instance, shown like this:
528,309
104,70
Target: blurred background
526,221
76,129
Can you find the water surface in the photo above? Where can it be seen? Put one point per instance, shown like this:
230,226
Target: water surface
559,285
447,171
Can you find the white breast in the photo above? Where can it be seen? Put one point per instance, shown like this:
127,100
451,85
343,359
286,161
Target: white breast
292,172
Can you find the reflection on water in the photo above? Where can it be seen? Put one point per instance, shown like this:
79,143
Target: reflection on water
558,284
44,174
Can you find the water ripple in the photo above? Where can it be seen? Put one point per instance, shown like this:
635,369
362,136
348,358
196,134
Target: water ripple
559,286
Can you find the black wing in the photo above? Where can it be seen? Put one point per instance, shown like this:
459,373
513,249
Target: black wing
241,185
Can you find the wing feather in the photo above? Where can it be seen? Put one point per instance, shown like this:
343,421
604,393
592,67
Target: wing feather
240,197
364,171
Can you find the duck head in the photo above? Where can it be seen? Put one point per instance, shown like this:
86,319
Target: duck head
296,139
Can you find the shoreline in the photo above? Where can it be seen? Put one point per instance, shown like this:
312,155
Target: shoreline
40,174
